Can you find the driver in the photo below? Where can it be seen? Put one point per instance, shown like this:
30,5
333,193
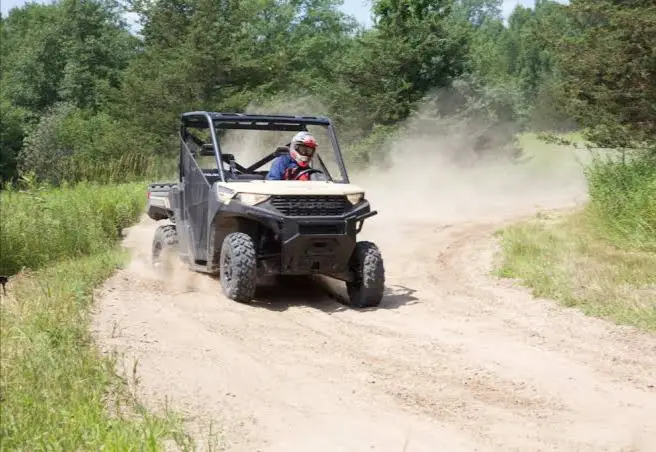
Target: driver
287,166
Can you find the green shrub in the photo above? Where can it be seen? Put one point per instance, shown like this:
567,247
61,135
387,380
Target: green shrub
623,200
43,225
72,145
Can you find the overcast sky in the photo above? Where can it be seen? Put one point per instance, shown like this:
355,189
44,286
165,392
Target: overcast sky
358,8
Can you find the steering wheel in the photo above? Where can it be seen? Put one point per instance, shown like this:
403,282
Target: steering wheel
307,171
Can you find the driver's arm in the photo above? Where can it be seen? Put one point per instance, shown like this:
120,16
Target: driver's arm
277,171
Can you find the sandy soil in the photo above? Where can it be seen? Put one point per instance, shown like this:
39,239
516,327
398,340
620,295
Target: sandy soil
453,359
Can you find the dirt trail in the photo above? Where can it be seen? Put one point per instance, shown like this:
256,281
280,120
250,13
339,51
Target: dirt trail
453,360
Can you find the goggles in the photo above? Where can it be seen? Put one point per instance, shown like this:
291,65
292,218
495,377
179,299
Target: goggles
304,150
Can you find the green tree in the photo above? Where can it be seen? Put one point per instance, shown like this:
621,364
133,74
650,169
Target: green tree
224,55
477,12
63,52
13,122
96,48
411,50
32,57
609,71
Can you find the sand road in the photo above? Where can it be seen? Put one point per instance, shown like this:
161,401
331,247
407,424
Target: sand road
453,359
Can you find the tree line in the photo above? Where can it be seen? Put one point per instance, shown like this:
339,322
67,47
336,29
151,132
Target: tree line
80,90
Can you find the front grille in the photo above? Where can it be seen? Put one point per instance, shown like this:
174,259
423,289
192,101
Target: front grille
313,205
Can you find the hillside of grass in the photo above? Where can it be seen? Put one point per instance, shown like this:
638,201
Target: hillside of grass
56,390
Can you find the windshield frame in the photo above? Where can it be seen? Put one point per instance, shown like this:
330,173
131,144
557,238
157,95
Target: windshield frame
217,122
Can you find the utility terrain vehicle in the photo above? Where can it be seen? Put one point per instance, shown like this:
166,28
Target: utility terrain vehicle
226,219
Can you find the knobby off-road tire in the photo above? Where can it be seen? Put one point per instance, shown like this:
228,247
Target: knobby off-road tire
238,266
367,289
165,247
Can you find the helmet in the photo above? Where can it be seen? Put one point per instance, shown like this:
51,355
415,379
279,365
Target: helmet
302,148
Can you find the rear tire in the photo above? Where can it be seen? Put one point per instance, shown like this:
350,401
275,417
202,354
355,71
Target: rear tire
165,246
238,267
368,287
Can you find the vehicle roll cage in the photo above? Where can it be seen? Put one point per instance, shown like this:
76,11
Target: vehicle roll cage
242,121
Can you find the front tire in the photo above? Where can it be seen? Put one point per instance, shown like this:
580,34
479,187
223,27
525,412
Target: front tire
238,266
368,287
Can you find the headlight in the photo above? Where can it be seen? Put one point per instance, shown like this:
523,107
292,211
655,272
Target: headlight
355,198
252,198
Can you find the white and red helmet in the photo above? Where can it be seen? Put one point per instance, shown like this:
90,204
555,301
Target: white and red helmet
302,148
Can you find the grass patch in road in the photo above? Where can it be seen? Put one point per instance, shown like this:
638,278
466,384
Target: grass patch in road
568,260
56,391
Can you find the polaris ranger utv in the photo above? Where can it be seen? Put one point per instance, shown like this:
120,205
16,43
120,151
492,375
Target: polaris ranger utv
226,219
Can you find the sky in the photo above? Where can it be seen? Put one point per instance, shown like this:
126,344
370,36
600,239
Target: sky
358,8
361,8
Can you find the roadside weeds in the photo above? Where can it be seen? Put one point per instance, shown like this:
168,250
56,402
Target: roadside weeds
56,390
564,258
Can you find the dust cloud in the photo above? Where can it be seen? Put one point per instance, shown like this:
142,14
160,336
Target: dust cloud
173,275
433,173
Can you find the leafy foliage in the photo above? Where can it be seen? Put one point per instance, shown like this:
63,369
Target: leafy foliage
12,123
80,91
63,52
609,71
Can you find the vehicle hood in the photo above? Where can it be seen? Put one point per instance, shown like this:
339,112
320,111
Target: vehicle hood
279,187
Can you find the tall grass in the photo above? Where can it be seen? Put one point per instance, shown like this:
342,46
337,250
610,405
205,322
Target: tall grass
623,200
44,225
125,168
56,391
128,167
602,259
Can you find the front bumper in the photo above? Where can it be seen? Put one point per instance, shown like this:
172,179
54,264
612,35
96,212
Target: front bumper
309,247
312,244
